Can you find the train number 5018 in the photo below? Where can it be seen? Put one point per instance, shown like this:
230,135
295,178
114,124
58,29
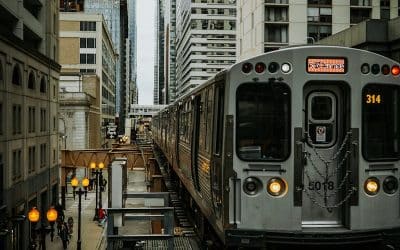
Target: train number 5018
317,185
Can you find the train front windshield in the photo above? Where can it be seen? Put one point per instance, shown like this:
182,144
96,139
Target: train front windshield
381,122
263,121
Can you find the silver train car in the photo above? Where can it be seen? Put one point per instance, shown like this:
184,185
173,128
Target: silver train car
298,145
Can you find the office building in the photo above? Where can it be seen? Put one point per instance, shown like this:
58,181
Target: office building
170,51
205,40
29,76
86,47
159,88
265,25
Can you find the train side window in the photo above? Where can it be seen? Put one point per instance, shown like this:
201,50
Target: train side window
218,119
209,118
380,122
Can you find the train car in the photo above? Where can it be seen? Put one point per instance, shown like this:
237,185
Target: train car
297,145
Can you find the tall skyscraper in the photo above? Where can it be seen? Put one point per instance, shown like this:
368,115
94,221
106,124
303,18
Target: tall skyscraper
205,40
170,51
115,13
132,33
266,25
159,88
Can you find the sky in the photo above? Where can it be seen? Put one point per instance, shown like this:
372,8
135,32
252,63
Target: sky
145,12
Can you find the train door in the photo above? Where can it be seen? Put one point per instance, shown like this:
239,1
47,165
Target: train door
195,140
326,119
216,158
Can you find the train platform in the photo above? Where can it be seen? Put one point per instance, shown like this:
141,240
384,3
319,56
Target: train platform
137,182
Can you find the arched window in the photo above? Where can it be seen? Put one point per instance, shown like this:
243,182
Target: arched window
16,76
43,85
31,81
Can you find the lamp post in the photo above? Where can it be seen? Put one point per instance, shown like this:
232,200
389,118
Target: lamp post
97,172
74,183
34,216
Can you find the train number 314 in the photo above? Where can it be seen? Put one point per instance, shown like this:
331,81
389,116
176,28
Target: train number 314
317,185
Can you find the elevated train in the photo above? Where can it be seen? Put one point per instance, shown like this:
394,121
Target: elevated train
298,145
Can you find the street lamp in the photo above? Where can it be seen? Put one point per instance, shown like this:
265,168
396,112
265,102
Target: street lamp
97,173
34,216
74,183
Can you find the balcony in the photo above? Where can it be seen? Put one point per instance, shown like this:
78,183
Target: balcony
75,98
320,2
360,3
320,19
276,20
277,2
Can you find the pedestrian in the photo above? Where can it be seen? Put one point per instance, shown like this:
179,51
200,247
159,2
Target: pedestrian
104,184
102,217
64,235
90,184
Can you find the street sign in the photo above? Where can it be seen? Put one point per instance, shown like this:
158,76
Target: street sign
111,131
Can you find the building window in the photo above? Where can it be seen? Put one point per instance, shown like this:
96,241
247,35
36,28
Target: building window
88,58
43,85
54,124
16,76
16,119
319,31
276,34
87,26
1,72
88,42
43,155
359,15
31,119
385,9
55,23
43,120
31,81
322,15
16,163
32,159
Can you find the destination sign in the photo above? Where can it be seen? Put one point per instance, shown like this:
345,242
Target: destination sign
329,65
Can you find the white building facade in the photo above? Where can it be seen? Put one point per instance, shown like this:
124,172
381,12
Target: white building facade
205,40
265,25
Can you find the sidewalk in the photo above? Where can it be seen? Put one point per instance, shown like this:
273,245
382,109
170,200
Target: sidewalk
91,232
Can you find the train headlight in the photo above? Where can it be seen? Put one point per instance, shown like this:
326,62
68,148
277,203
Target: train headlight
371,186
286,68
251,185
390,185
276,186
